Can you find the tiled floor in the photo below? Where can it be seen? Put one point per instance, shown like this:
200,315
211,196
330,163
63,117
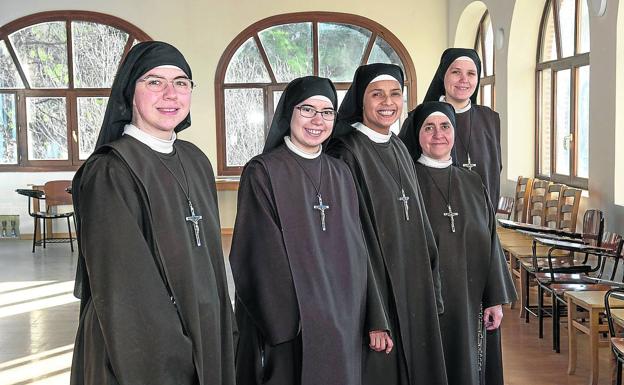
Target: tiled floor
39,316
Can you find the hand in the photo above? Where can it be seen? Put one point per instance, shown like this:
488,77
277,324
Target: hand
380,341
492,317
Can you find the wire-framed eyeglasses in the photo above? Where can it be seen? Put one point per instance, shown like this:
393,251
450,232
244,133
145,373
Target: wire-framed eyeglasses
158,84
310,112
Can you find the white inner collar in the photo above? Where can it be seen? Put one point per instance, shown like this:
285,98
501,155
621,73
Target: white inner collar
434,163
458,110
159,145
372,134
293,147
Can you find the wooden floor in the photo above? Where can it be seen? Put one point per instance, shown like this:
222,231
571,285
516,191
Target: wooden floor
38,320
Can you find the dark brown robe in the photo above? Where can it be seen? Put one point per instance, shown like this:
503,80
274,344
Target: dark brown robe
301,292
404,259
473,271
155,307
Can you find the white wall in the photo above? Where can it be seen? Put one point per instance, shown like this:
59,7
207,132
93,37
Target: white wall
203,29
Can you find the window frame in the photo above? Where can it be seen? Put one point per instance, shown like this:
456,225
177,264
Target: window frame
376,29
71,94
572,63
486,79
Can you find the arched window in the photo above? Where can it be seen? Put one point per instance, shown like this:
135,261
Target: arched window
562,79
258,64
484,45
56,70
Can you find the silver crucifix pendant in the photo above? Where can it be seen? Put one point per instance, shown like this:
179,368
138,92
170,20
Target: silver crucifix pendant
451,215
404,198
321,208
195,220
469,165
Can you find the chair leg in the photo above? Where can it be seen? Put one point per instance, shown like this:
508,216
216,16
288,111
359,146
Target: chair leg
43,234
35,234
618,371
526,293
540,310
555,320
71,243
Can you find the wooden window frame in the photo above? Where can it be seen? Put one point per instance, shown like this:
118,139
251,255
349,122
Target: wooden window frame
315,18
71,94
486,79
572,63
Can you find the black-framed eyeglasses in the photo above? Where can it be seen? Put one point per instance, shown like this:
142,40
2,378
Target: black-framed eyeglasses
158,84
310,112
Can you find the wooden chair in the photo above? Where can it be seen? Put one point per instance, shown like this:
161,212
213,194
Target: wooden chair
568,208
55,194
537,201
552,203
617,343
505,206
521,199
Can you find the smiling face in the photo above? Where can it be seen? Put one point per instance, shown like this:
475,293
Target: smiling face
437,137
382,105
460,82
158,113
309,133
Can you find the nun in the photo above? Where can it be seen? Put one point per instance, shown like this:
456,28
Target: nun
400,243
477,147
298,254
151,278
475,279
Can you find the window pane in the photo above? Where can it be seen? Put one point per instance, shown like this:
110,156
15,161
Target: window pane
341,47
549,44
562,146
488,58
90,115
9,78
97,50
244,125
289,49
566,26
42,52
487,95
247,66
583,45
582,109
382,52
545,131
8,130
47,128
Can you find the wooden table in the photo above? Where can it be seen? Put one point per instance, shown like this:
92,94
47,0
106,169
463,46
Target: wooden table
593,303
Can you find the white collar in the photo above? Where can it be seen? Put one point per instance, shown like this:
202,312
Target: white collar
159,145
293,147
372,134
434,163
458,110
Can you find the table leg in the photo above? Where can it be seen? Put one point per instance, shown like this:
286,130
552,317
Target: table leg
524,293
594,334
571,337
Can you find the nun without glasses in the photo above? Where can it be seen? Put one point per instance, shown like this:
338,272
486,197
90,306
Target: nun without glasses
398,236
477,132
298,254
154,305
474,276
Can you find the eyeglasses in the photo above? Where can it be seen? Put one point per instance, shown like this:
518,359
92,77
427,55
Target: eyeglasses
309,112
158,84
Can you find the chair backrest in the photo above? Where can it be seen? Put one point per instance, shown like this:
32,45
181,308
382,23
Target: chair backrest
617,293
569,208
613,242
552,201
593,227
521,204
537,202
505,206
55,193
